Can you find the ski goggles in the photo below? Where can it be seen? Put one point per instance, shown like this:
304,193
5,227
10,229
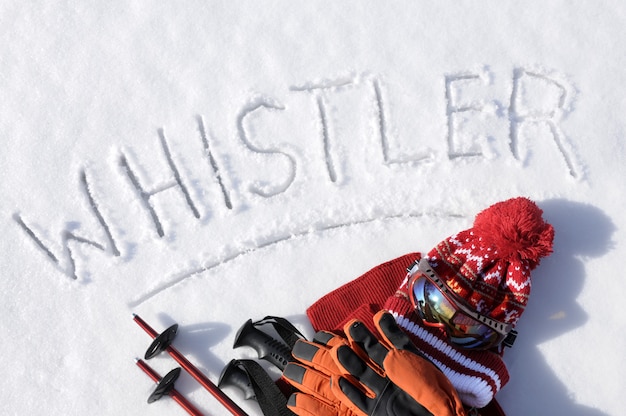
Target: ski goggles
437,306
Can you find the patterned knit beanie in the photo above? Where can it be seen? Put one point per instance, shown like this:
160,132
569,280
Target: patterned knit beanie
489,264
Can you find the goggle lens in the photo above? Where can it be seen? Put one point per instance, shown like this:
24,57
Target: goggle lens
434,308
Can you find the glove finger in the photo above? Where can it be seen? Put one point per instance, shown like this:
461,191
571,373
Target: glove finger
392,335
351,396
423,382
365,343
368,379
305,405
308,381
314,355
327,338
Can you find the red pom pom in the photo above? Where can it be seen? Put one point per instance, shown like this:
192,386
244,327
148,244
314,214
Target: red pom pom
516,229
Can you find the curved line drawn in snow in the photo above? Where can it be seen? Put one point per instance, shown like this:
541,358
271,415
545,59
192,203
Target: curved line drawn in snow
277,239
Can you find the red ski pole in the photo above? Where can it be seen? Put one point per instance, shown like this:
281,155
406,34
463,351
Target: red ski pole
166,386
162,342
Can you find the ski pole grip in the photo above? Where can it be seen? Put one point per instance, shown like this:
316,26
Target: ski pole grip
267,348
234,376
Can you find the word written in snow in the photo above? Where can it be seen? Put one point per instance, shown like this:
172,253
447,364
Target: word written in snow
66,263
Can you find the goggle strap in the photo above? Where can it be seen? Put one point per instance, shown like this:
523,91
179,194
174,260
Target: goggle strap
501,327
510,339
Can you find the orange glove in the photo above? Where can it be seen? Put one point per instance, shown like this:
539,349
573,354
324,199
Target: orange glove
312,377
362,375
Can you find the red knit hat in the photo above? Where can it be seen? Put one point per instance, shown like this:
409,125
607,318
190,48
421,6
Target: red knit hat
489,264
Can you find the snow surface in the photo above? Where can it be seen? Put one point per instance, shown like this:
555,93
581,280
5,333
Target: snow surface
343,134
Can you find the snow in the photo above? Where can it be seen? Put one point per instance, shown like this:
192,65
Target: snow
341,135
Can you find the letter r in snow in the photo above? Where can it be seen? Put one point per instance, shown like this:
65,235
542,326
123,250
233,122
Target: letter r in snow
538,99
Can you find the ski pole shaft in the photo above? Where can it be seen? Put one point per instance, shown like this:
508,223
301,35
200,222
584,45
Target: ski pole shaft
173,393
194,372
